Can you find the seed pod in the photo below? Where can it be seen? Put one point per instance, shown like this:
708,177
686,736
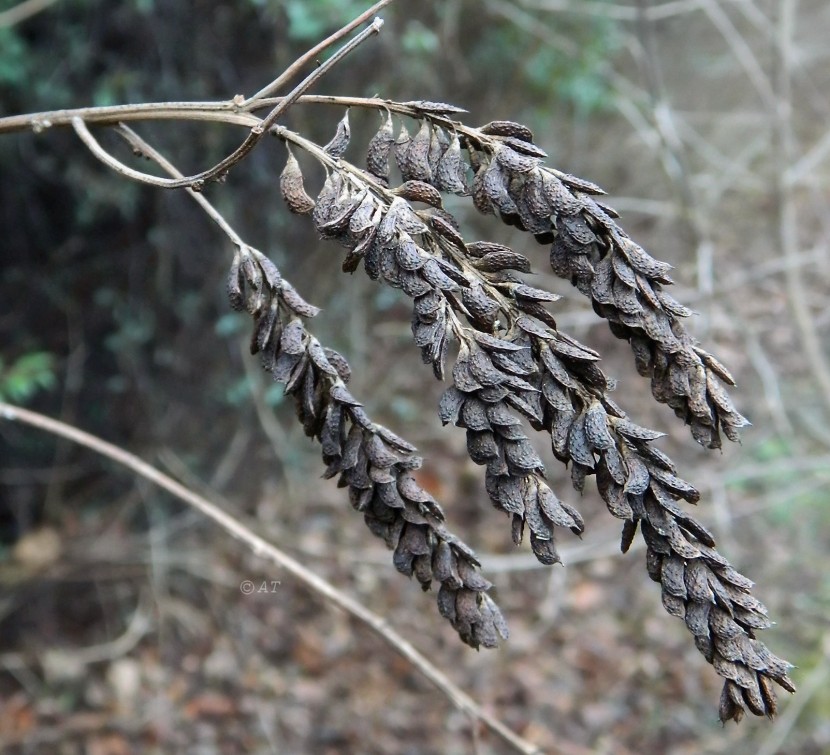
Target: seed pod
364,215
481,307
236,285
478,249
444,225
428,106
526,148
292,189
450,174
433,274
495,183
507,128
596,427
377,154
327,198
417,156
437,145
502,260
295,302
341,214
535,196
481,447
513,162
643,262
522,456
560,199
419,191
407,254
402,144
481,201
576,231
337,146
577,183
269,270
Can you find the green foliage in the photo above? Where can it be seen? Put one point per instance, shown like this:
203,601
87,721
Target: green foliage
14,59
568,65
23,378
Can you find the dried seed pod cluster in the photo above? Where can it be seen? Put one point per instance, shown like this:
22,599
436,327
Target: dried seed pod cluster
371,461
625,284
514,367
490,389
639,485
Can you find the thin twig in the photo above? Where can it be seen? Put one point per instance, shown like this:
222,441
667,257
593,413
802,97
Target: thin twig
221,112
292,70
20,12
254,137
266,550
138,144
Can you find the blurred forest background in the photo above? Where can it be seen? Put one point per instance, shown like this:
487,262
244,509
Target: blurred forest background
122,625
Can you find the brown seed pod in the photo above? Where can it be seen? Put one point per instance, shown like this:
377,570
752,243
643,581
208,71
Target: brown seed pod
507,128
450,174
236,284
513,162
292,189
419,191
377,153
577,183
439,108
402,145
418,154
644,263
437,146
493,262
337,146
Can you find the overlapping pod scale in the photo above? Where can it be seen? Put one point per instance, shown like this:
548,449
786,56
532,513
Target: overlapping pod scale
340,141
380,145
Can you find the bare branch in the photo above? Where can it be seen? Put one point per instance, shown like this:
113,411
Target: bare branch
20,12
292,70
266,550
253,138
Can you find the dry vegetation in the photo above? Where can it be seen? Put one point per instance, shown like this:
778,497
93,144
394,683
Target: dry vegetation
726,180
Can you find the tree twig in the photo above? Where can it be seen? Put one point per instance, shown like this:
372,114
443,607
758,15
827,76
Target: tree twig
254,137
20,12
266,550
292,70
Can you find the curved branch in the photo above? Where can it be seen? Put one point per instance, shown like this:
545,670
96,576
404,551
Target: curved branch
254,137
266,550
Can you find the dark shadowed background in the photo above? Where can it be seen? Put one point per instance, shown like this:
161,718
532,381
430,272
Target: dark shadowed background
122,625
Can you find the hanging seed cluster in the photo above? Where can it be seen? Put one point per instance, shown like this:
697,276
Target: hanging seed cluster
625,284
371,461
514,368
